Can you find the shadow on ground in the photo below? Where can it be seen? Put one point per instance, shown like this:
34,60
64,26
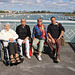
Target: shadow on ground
72,46
46,51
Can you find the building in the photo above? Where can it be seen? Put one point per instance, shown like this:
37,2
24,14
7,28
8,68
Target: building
6,10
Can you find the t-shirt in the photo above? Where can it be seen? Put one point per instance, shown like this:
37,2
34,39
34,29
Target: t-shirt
23,32
55,30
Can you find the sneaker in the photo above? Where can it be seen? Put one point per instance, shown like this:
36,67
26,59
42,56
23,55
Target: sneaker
58,59
21,56
39,58
28,57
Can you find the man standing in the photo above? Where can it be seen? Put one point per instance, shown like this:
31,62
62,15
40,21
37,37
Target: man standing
24,33
55,31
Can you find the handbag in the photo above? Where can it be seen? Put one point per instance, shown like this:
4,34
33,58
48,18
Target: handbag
62,41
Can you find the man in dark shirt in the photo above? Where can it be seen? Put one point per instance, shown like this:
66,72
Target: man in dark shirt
24,33
55,31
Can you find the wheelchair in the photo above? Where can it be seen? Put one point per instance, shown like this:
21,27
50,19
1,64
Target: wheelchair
0,51
5,56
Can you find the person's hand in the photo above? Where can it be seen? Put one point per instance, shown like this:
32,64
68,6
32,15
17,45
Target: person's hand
58,39
53,41
11,39
23,42
48,39
34,39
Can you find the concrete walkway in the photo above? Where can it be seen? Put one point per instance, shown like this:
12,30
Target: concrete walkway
44,67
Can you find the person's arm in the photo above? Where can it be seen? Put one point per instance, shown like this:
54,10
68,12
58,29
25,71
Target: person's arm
62,32
46,35
34,39
51,38
49,35
15,36
3,36
17,30
62,29
33,34
28,32
25,39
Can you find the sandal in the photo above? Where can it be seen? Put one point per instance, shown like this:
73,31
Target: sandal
12,61
17,60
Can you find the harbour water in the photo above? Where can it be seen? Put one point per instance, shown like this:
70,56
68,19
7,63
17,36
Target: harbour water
14,20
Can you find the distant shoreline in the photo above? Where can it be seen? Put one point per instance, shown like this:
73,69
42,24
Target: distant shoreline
65,14
69,14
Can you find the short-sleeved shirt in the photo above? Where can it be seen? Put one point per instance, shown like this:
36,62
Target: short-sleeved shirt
55,30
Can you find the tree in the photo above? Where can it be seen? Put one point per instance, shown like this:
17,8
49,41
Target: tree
4,12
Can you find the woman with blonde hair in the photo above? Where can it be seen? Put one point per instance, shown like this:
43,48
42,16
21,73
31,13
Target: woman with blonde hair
39,35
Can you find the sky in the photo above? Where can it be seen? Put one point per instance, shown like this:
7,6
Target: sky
38,5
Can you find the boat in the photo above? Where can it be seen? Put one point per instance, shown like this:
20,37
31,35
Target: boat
41,16
74,18
2,16
70,18
28,16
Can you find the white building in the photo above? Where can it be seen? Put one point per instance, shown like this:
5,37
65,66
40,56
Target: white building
6,10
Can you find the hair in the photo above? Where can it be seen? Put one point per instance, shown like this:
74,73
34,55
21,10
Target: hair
23,18
52,17
39,19
7,24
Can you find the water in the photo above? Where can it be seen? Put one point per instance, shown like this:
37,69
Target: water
34,16
69,27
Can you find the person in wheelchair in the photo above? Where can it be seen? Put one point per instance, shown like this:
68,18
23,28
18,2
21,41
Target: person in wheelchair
9,37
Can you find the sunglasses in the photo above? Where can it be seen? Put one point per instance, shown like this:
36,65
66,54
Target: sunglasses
39,21
23,21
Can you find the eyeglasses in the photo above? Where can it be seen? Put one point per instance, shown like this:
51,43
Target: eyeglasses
39,21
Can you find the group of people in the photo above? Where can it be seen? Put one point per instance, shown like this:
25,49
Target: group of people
22,35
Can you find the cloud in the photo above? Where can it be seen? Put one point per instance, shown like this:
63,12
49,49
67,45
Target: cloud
72,0
38,1
51,5
1,2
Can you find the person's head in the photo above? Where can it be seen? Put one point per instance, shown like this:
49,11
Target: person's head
39,20
53,20
23,21
7,26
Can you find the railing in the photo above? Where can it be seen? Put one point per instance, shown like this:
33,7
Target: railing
69,27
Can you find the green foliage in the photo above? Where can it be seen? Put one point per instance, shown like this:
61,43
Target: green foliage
3,11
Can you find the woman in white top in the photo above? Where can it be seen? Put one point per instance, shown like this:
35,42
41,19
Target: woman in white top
9,37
